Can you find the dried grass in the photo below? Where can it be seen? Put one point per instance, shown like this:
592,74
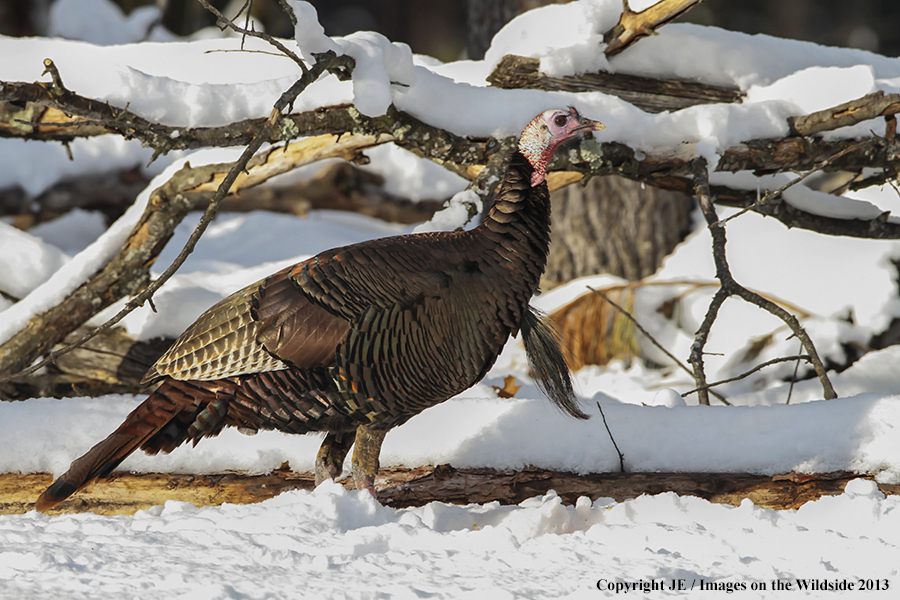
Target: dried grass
593,332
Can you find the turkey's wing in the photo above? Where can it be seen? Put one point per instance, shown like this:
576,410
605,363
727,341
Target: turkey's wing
267,326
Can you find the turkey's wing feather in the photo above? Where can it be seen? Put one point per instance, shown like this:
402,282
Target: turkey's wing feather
267,326
292,327
220,343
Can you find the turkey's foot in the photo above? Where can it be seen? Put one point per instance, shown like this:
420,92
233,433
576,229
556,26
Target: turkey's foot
365,463
330,459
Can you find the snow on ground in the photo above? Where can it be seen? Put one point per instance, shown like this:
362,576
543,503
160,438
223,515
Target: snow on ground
855,433
331,543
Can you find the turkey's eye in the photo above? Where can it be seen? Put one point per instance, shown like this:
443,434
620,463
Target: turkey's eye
559,120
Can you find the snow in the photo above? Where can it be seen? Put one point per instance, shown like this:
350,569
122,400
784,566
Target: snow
857,432
407,176
331,543
802,197
72,232
379,63
568,38
37,260
801,87
334,544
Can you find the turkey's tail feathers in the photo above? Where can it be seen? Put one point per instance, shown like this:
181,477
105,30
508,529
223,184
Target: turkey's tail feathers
547,362
175,412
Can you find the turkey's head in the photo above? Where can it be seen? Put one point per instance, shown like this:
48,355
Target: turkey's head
546,132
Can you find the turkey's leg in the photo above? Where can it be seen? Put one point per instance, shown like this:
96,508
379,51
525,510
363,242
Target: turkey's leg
365,457
330,459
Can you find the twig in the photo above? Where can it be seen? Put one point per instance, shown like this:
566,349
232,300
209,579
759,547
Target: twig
771,195
731,287
248,6
326,61
615,445
794,378
289,11
225,21
696,284
58,87
653,340
640,327
758,367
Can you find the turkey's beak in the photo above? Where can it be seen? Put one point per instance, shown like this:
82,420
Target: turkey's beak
589,125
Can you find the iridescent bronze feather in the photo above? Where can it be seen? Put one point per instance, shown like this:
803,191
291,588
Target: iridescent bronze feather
359,339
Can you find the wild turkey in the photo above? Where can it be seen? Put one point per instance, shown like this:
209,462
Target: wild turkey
359,339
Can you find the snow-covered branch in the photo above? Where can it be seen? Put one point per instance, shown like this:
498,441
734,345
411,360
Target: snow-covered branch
651,94
128,272
47,121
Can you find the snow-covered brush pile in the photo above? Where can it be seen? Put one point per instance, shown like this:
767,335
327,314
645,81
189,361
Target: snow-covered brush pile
842,288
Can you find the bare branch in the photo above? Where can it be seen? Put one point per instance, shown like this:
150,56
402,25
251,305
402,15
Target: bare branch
652,339
758,367
731,287
649,94
44,117
856,111
771,195
400,487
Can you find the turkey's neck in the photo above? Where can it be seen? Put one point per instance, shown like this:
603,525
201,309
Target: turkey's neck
517,228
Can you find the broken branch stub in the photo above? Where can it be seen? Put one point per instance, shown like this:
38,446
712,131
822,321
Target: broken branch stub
856,111
633,26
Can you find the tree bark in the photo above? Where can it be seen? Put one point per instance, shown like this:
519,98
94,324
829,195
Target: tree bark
614,225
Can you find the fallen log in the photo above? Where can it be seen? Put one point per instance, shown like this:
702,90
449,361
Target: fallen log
400,487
